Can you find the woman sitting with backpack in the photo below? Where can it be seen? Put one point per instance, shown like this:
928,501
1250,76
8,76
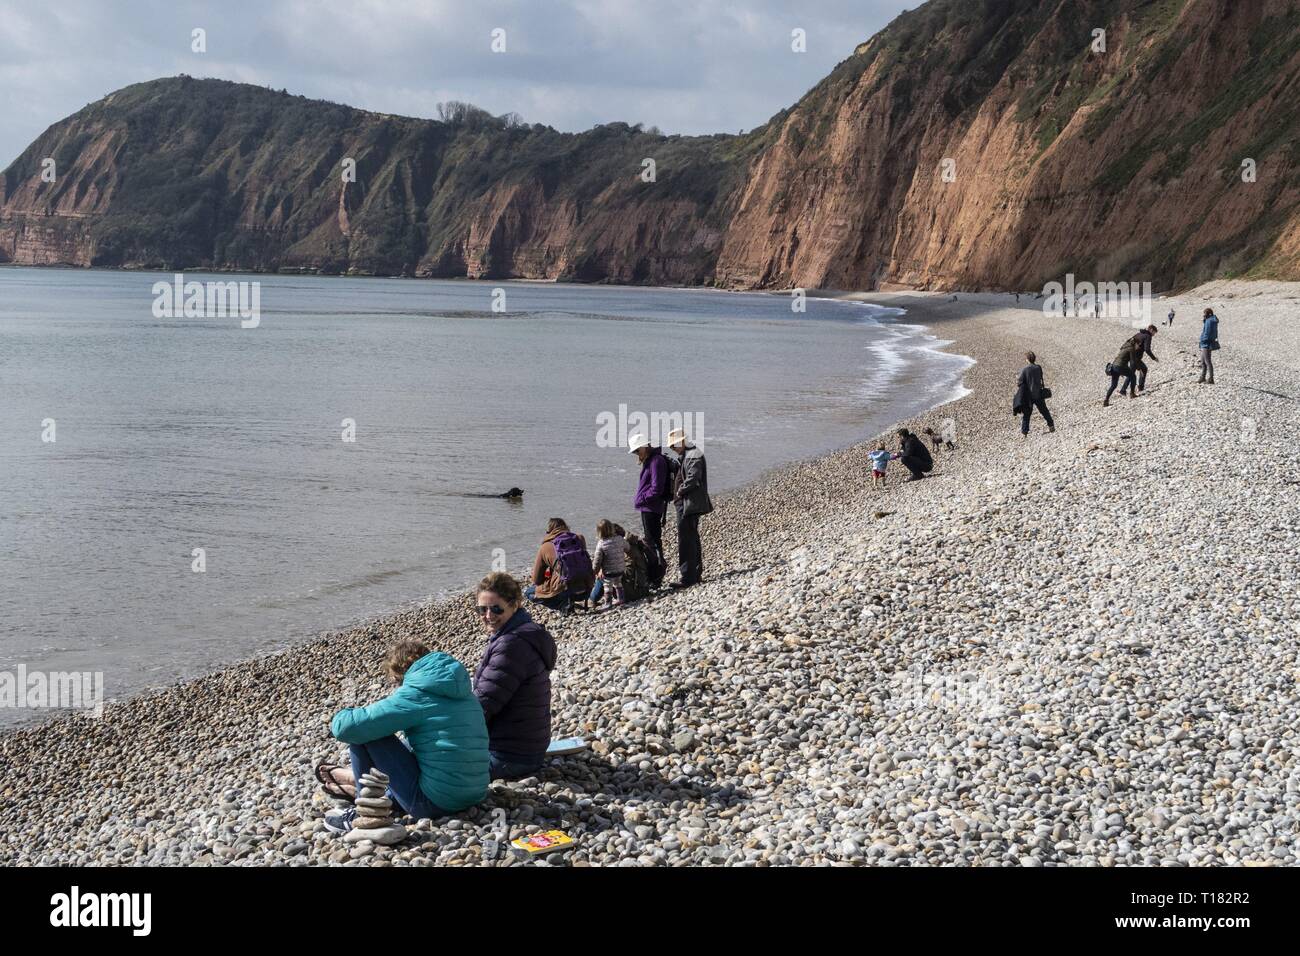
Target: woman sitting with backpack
562,572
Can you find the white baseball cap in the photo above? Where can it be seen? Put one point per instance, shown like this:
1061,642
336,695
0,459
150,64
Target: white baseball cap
637,441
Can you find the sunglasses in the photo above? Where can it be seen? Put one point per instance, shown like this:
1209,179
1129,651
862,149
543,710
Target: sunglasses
485,609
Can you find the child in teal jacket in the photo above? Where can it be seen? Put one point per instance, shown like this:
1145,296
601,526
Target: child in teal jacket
442,766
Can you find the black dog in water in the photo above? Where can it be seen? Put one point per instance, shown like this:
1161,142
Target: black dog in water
514,494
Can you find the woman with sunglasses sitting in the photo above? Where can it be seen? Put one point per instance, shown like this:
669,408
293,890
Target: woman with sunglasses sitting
513,680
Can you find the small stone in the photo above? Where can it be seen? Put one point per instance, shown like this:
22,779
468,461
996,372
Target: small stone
384,836
371,823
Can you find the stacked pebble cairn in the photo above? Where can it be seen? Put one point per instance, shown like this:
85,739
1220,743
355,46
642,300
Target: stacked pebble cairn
374,820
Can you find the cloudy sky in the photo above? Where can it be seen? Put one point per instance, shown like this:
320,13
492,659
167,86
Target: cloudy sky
687,66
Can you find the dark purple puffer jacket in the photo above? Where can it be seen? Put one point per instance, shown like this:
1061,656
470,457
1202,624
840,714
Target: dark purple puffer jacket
513,683
652,490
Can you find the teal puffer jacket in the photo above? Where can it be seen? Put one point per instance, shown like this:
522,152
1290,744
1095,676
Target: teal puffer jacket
443,722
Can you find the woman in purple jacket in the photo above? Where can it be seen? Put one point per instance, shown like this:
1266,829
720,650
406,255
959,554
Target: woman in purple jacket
653,492
513,680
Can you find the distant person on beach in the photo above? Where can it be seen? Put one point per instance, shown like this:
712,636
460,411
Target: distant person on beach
1142,347
1170,320
914,455
442,765
1017,298
653,492
562,569
1122,367
513,679
879,462
609,564
1209,344
1031,393
691,496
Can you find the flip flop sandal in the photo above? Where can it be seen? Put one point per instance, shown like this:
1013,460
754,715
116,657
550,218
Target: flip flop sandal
325,774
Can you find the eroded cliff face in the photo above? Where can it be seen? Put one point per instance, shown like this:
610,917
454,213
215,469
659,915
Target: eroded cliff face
971,144
188,173
1123,164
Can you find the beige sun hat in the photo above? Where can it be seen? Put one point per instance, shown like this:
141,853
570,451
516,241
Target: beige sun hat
636,442
676,436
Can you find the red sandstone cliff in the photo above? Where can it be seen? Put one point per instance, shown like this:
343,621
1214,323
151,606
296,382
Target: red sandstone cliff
1122,163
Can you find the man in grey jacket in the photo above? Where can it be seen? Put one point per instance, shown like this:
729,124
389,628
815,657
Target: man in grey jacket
1031,394
691,496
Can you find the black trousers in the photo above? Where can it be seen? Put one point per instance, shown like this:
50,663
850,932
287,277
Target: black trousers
1141,369
653,526
690,556
1042,410
1121,371
916,466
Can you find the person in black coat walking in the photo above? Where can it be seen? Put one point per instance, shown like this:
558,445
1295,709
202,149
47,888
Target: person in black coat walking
513,680
1141,348
914,455
1031,393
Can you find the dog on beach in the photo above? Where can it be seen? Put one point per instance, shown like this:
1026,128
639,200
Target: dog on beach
937,440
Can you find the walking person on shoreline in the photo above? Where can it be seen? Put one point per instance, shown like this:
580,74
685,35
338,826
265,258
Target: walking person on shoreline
1122,367
1170,320
691,496
513,679
653,492
879,462
1142,347
442,765
1031,393
1209,344
914,455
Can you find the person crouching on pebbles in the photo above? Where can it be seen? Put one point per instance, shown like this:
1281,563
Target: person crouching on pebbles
442,765
691,496
914,455
879,462
513,679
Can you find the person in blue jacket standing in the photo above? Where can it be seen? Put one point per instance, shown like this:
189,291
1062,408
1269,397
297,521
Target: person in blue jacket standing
1209,345
442,765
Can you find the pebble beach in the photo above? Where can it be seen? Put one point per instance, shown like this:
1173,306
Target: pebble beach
1079,648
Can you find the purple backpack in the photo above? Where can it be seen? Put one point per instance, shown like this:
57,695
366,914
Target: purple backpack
571,559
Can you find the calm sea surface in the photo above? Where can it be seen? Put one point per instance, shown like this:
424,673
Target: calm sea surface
176,434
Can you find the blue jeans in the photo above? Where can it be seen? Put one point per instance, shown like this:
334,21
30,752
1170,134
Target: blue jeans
393,756
506,766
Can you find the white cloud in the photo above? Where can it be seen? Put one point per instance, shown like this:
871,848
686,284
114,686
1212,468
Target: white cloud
687,66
